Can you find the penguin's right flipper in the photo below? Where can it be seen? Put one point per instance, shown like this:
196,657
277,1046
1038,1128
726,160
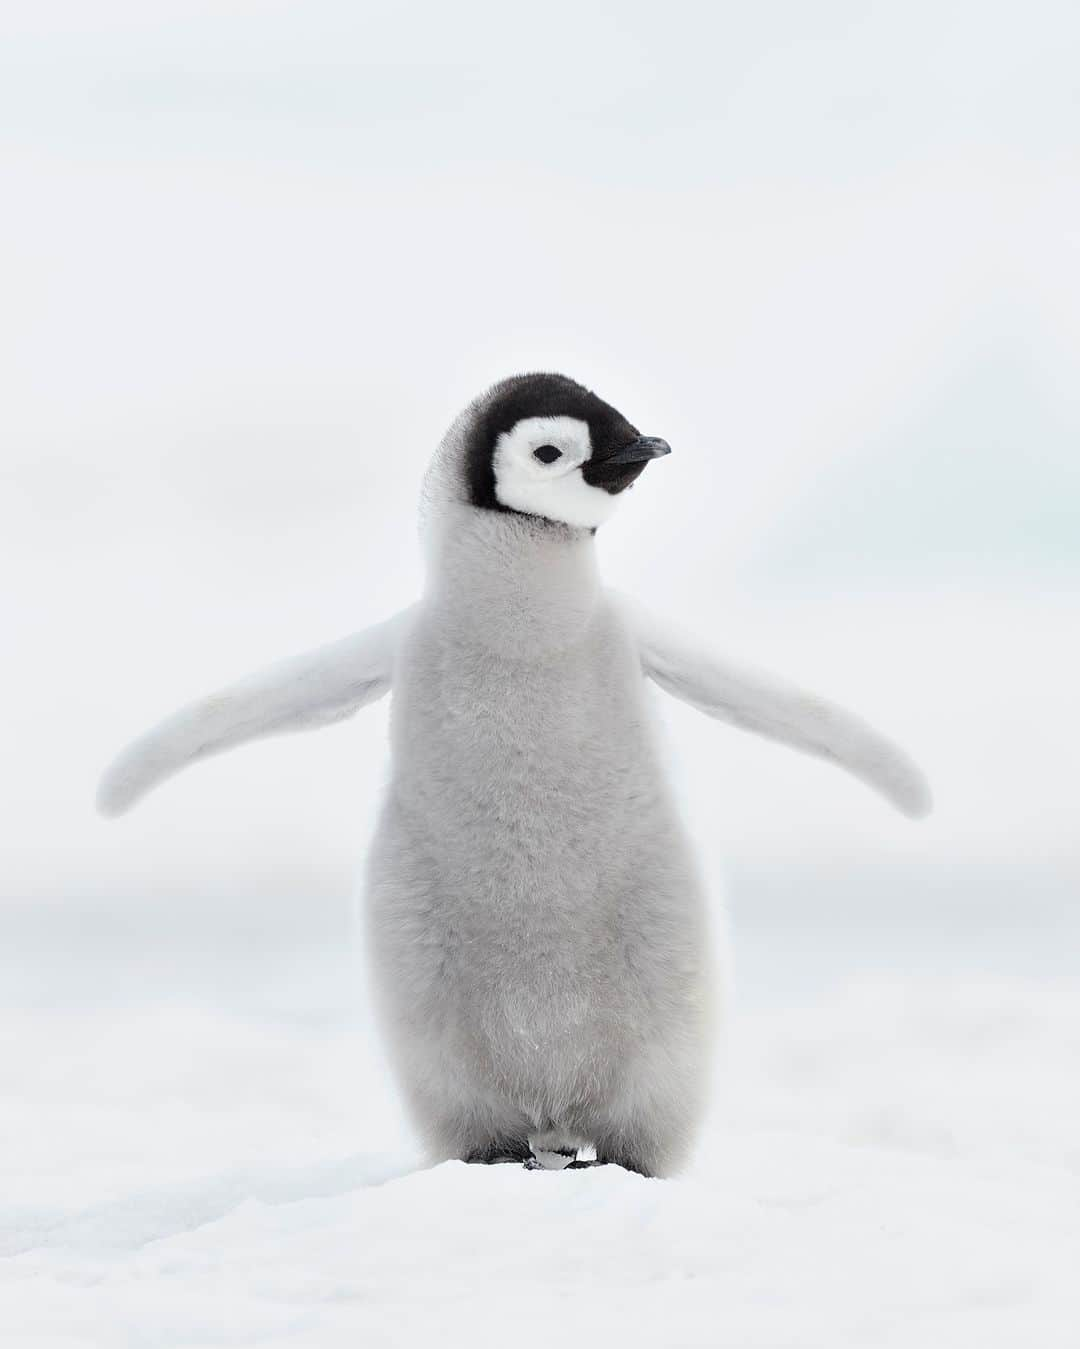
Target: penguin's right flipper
768,706
315,689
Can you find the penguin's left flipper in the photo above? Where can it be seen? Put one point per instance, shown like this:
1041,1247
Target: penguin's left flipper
768,706
315,689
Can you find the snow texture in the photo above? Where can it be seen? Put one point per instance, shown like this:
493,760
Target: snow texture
894,1164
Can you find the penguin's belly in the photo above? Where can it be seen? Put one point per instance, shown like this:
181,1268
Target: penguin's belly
530,891
534,980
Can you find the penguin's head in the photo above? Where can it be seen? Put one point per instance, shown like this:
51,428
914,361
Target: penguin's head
544,446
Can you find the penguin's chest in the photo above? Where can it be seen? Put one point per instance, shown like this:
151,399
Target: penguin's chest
524,781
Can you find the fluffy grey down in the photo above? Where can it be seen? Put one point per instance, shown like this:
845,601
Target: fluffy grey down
535,914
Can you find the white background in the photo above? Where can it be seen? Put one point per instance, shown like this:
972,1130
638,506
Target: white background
253,258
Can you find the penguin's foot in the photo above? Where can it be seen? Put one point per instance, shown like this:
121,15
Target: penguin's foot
561,1159
551,1159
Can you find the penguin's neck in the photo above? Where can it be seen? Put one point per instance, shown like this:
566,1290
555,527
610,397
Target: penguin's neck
514,584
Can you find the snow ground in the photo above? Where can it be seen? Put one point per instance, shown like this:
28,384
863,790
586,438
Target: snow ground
894,1162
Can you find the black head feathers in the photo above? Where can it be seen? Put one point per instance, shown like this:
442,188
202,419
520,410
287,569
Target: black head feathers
536,395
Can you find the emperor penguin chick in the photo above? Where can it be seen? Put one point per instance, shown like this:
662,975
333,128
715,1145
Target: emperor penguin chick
536,919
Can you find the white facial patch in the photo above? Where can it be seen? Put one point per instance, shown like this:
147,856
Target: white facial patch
537,467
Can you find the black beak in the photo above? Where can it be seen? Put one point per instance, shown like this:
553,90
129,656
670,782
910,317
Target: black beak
639,451
615,472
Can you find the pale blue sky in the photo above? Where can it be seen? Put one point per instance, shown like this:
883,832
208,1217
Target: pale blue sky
794,235
255,256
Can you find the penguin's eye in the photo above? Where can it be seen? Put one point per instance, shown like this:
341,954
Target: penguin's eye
547,454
